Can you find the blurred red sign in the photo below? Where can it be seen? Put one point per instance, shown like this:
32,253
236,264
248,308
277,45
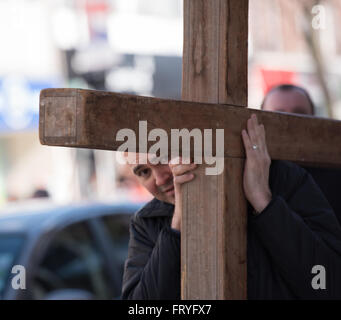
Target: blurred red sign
273,78
96,6
93,6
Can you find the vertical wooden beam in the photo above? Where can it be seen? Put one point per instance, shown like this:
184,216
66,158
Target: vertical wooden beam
213,240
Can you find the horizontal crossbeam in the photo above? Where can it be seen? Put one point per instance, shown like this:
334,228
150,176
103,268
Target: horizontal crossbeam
91,119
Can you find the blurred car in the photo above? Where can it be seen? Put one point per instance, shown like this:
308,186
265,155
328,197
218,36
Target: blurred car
69,252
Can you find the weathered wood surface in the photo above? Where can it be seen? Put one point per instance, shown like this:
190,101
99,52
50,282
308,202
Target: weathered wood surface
213,248
91,119
213,239
214,73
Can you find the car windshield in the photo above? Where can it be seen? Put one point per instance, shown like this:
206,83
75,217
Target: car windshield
10,245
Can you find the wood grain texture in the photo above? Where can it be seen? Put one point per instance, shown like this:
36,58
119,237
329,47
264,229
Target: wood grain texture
233,52
202,236
97,116
232,238
213,243
213,255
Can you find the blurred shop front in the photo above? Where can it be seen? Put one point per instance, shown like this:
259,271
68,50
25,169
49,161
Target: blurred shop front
19,102
85,44
132,48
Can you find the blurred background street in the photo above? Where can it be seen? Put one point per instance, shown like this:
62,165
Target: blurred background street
135,47
132,46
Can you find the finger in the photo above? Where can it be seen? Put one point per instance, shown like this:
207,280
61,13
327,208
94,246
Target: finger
262,129
179,160
256,126
251,131
254,119
263,135
247,143
259,134
184,178
180,169
262,132
251,154
174,161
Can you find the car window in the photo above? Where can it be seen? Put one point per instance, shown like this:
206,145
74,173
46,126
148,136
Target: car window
10,246
72,261
118,229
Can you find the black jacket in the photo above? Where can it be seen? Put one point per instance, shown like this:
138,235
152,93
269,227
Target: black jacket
295,232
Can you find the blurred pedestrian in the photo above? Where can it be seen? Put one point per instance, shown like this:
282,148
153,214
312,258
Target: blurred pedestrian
288,98
294,99
40,193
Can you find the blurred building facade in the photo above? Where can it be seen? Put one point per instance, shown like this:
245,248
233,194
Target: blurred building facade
296,41
135,46
96,44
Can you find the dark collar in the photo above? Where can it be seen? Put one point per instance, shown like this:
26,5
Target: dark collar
156,208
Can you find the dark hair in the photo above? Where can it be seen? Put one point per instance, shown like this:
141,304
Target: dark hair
40,193
288,87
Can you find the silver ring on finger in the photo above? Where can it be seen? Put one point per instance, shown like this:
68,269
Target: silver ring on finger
254,147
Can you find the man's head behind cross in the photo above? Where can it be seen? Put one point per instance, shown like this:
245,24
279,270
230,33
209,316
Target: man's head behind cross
288,98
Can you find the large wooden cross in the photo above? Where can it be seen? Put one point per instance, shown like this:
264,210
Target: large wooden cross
215,59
